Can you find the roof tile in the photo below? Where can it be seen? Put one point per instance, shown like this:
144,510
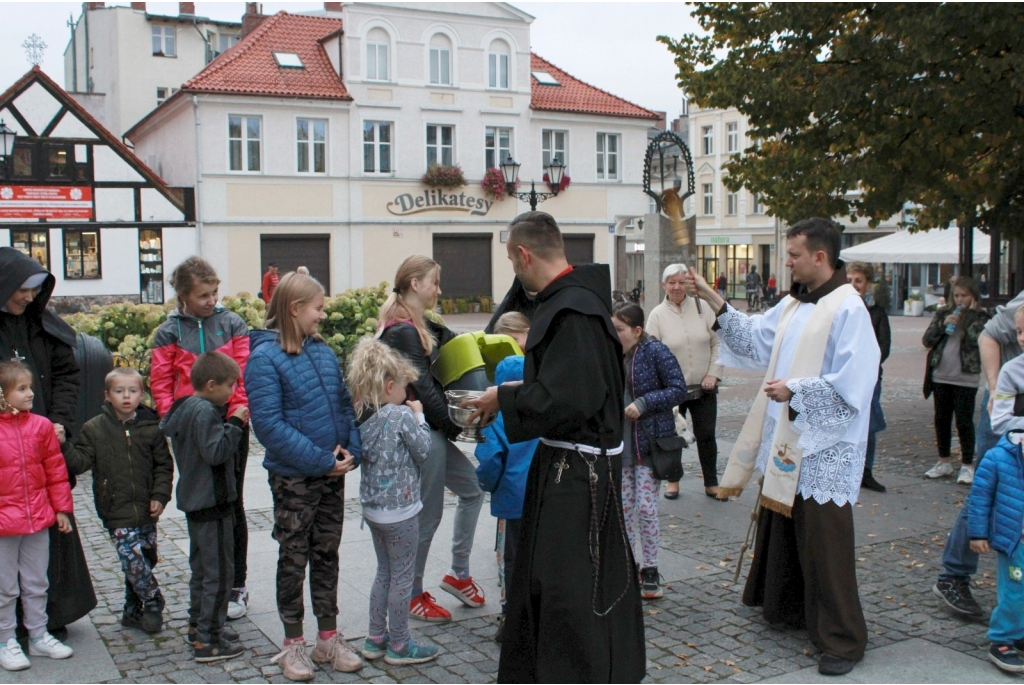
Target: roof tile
574,95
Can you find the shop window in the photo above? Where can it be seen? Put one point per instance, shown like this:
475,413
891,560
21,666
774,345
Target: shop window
553,144
377,147
440,145
607,156
244,143
151,266
34,244
311,145
81,254
497,146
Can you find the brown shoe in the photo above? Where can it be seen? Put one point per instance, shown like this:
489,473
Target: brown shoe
338,653
294,662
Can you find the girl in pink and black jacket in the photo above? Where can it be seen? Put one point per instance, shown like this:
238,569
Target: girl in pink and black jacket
199,325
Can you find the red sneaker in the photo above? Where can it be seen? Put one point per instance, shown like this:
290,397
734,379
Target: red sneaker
425,608
466,591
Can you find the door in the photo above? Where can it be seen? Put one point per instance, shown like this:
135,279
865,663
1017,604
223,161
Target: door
465,260
579,248
290,251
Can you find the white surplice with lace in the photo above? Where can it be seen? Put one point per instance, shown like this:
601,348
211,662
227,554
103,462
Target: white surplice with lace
833,409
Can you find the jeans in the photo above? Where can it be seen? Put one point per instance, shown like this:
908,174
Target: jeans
958,559
1007,622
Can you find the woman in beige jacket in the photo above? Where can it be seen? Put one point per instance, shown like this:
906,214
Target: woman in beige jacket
684,324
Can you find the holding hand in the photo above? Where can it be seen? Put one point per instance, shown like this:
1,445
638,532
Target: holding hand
415,405
980,546
64,522
777,390
709,383
155,509
242,414
485,405
61,433
696,283
632,413
952,319
344,465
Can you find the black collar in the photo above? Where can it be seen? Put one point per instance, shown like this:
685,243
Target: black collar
801,294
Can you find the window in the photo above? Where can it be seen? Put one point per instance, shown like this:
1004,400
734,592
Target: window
22,161
732,130
440,145
732,202
708,192
161,95
311,145
377,147
81,254
545,78
757,206
58,161
440,60
244,143
290,60
497,146
607,156
552,145
34,244
377,55
708,136
164,41
497,65
225,42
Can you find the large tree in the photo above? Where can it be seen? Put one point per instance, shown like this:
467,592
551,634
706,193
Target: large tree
907,103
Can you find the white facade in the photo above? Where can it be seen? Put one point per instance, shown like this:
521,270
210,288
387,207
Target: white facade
114,59
365,214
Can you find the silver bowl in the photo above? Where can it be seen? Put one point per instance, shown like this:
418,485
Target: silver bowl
460,416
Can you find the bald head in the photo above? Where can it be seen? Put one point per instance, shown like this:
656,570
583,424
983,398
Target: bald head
537,232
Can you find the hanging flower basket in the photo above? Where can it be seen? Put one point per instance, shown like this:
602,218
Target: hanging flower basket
449,177
494,184
561,186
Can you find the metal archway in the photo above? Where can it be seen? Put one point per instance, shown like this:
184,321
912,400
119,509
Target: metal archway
656,147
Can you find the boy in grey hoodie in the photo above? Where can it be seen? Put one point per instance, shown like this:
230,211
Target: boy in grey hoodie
204,448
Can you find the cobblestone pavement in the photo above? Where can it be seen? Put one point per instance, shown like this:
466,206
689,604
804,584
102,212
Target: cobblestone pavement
699,632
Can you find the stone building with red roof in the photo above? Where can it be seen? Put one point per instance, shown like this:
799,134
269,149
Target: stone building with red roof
307,144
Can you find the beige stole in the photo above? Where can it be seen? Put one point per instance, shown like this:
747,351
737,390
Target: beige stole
782,474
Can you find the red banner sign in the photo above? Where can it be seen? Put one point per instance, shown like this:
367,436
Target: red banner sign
45,202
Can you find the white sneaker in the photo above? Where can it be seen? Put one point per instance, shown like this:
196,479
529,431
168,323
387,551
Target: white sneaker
942,468
12,658
49,646
966,476
238,604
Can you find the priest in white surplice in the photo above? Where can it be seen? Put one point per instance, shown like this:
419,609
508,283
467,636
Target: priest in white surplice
807,435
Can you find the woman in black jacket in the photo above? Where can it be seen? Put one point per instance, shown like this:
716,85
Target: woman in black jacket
404,327
39,338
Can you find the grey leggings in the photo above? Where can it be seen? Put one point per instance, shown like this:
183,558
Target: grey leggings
395,544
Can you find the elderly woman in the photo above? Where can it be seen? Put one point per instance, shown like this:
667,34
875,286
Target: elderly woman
684,325
40,339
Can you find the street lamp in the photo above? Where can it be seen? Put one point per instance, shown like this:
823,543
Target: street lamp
7,137
510,170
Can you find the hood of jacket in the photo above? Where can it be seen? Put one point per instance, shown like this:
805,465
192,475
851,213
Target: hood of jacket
516,300
15,269
181,414
510,369
261,336
586,289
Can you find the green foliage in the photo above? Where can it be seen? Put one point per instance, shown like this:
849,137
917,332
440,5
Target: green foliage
113,323
251,309
909,103
351,316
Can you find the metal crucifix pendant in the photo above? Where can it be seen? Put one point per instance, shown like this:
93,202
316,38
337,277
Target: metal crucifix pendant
17,357
561,466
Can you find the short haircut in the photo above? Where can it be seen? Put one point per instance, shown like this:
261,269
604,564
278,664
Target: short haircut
10,372
673,270
216,367
510,323
539,233
122,372
820,234
862,268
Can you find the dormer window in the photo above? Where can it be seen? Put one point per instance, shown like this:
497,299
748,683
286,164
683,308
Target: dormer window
289,60
545,79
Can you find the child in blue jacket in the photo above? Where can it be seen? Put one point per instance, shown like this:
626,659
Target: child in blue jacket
302,414
503,465
996,517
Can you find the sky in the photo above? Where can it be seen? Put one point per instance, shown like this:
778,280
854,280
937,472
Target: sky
610,45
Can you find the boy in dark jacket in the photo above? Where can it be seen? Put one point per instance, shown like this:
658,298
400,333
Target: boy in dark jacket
205,447
131,484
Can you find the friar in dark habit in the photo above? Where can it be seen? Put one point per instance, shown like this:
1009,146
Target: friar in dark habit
574,608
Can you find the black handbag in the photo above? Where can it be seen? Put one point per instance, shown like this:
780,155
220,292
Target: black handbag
666,455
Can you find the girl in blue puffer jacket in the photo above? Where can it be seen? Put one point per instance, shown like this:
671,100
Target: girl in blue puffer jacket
654,385
302,414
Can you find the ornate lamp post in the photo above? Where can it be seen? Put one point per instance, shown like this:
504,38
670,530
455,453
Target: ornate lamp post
510,170
7,137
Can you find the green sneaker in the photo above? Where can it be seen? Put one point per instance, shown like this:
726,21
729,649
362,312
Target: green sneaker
412,654
373,650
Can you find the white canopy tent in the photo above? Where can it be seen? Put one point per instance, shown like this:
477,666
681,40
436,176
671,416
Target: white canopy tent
937,246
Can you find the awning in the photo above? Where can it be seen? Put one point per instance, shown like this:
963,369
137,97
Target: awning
937,246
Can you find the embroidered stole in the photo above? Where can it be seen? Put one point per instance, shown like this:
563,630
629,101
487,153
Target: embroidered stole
782,474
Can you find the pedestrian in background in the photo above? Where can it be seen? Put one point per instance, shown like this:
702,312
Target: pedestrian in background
686,326
722,287
303,416
270,281
952,374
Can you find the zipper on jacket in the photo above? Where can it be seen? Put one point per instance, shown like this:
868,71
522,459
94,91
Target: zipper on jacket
24,475
131,470
202,341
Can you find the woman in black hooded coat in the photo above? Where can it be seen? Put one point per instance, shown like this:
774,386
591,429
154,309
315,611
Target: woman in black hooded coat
46,344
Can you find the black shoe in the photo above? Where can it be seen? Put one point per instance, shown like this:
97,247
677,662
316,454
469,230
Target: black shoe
152,618
225,632
834,665
1006,658
216,651
650,583
500,633
869,482
131,618
1019,645
956,593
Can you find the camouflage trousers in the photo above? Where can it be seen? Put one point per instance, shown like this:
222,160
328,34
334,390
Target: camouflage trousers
308,514
136,548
